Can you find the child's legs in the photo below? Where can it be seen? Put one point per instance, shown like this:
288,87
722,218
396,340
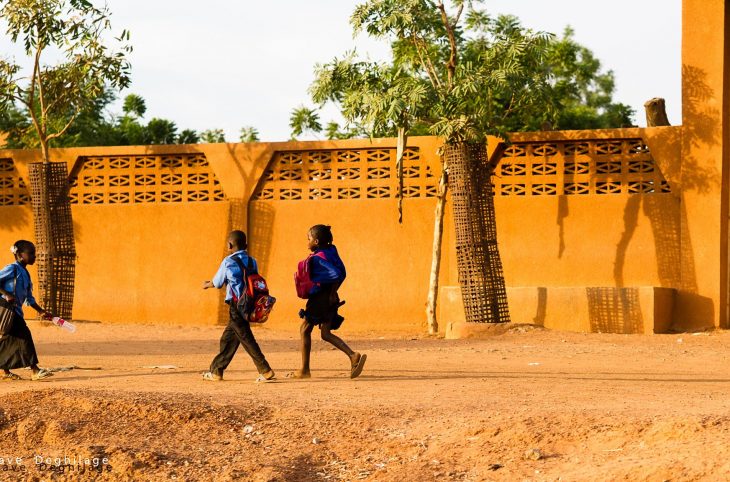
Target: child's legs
306,331
242,328
335,340
228,347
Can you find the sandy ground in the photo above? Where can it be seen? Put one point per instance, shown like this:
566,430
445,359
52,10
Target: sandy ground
524,404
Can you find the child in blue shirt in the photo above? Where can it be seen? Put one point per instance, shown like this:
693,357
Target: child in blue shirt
323,302
17,349
238,331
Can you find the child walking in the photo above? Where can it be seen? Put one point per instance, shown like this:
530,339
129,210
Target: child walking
327,271
238,331
17,349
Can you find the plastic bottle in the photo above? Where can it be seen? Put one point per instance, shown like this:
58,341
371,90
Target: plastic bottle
66,325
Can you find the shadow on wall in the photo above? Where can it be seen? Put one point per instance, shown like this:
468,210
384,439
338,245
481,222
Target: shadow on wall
631,220
15,218
77,232
673,244
701,131
670,253
563,212
14,198
236,220
260,228
539,318
614,310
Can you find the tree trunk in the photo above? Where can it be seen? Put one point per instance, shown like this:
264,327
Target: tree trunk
399,151
480,268
656,114
438,232
56,247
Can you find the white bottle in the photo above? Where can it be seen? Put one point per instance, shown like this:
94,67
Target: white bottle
66,325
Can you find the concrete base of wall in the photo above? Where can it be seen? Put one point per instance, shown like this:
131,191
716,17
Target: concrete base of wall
641,309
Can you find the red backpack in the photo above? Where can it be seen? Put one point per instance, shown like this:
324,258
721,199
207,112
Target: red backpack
255,303
302,279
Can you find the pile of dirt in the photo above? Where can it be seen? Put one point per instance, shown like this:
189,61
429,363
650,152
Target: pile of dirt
159,436
138,433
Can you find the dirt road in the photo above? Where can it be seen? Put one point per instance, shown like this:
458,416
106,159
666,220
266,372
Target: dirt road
526,404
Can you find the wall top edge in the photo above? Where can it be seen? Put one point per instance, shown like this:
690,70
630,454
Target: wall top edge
627,132
415,141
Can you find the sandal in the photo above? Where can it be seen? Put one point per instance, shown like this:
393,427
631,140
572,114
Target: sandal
358,366
212,377
262,378
11,377
41,374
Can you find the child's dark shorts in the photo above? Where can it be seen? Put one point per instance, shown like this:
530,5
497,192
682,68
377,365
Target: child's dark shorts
320,309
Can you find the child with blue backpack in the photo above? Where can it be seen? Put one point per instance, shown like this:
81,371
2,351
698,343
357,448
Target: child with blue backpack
325,272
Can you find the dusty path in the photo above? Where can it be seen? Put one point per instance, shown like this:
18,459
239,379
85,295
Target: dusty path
596,407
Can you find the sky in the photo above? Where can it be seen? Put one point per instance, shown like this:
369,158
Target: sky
231,63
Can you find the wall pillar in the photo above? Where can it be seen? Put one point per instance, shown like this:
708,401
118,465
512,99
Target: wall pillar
725,290
702,298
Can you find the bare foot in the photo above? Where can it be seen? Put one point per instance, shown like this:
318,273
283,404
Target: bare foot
299,374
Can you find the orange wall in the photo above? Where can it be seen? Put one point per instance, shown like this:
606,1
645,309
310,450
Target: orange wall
145,262
387,263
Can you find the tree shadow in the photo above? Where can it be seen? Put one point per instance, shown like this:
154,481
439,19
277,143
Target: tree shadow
14,197
541,312
614,310
701,130
563,212
631,220
700,133
671,253
15,218
260,226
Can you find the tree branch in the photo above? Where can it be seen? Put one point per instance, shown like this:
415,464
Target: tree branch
14,97
31,94
451,64
432,74
65,128
40,87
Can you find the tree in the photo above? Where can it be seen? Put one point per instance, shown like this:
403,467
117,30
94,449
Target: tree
54,96
212,136
249,134
461,75
582,93
95,126
14,124
188,136
304,120
134,106
161,131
